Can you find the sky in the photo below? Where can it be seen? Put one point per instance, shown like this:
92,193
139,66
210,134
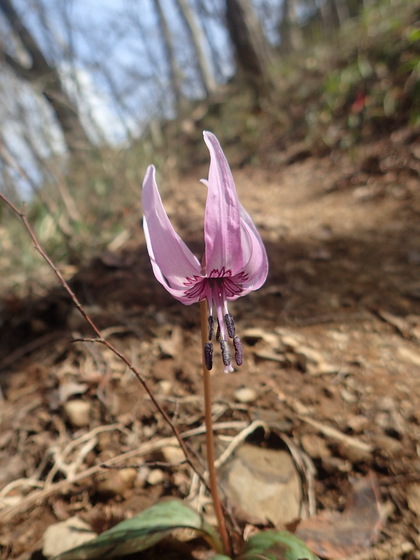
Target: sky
110,57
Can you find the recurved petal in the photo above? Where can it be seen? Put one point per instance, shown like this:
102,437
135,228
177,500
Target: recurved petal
172,261
254,254
222,233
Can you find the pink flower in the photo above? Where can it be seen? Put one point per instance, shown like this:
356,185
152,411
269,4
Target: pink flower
235,260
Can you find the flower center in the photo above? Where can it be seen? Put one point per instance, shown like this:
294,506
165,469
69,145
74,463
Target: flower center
217,287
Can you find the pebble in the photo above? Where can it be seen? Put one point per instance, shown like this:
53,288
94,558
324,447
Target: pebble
254,335
409,355
155,477
315,446
77,412
116,482
173,454
65,535
245,395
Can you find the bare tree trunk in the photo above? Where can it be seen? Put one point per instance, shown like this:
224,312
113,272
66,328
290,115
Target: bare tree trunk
290,31
175,75
197,40
46,77
253,53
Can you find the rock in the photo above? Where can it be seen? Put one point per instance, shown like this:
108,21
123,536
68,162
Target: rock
165,387
245,395
252,336
413,497
262,484
77,412
173,454
311,361
116,482
409,355
315,446
70,389
66,535
155,477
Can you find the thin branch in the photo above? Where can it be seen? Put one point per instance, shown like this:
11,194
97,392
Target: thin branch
98,333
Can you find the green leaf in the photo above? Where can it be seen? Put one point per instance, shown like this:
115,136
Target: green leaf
275,545
143,531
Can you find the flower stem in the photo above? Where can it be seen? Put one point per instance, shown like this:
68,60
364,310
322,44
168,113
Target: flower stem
210,437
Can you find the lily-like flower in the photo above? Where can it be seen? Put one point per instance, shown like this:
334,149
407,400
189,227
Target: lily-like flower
234,262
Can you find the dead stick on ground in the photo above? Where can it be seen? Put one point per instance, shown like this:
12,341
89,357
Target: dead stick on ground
39,496
336,434
100,337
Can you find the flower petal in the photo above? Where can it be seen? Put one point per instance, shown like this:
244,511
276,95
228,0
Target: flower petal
222,232
255,256
173,263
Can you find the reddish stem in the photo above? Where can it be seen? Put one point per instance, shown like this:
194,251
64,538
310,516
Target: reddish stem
210,438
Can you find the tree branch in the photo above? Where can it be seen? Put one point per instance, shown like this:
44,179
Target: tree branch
20,214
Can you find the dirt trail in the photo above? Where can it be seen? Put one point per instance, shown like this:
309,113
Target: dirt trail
331,342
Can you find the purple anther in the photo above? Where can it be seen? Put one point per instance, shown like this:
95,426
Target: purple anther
224,347
238,350
208,355
230,325
218,331
211,326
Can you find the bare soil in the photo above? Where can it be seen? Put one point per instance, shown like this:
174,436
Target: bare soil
331,353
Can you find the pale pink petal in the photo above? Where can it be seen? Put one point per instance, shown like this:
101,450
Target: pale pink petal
255,256
222,231
173,263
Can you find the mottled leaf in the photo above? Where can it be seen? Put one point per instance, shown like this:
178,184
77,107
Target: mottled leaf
143,531
275,545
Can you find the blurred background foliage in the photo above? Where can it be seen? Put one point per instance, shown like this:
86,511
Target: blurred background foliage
92,92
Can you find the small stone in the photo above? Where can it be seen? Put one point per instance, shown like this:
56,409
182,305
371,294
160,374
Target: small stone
155,477
413,497
116,482
308,357
165,387
409,355
387,445
315,446
245,395
254,335
290,342
78,412
66,535
358,423
173,454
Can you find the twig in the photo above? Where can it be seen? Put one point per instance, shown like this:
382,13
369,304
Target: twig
98,333
37,497
336,434
88,441
238,439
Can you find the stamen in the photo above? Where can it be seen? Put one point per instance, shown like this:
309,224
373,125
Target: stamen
238,350
208,355
226,357
230,325
218,331
211,326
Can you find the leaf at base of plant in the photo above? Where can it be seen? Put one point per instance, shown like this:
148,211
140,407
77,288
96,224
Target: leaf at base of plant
143,531
275,545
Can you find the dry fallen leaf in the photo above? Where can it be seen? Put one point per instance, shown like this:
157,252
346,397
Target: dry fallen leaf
335,535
